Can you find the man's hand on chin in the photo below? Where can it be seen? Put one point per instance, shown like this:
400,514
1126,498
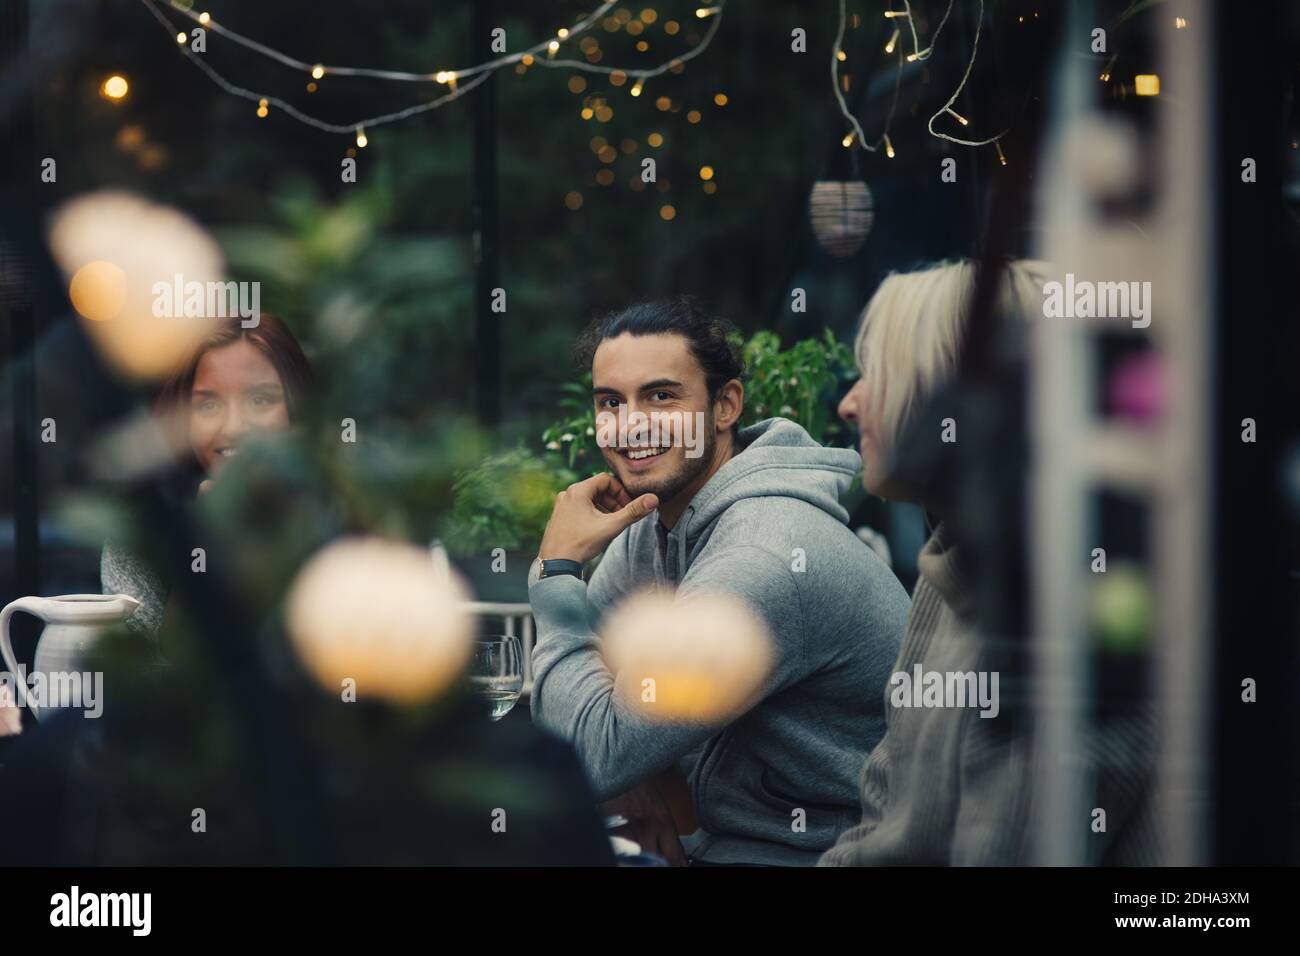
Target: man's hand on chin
588,516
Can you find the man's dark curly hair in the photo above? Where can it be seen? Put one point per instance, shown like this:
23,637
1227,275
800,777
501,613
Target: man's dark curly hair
714,341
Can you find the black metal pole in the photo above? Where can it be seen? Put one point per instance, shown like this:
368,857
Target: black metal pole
19,171
487,335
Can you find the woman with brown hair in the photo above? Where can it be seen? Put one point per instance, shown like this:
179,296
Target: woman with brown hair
239,382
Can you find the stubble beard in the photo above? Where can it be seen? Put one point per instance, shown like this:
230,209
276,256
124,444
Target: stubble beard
670,486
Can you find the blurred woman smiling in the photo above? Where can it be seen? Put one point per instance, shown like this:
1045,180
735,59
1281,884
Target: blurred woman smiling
239,383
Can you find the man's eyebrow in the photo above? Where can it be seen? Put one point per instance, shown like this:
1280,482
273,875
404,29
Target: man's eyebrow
648,386
660,383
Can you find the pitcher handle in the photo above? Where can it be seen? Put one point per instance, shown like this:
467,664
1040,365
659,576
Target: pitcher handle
32,606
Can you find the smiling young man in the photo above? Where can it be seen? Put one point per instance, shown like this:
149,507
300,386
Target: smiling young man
702,506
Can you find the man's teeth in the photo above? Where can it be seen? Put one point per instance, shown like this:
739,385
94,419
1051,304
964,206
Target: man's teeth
227,452
636,454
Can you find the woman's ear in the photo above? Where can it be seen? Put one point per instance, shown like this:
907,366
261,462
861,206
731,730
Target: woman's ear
729,405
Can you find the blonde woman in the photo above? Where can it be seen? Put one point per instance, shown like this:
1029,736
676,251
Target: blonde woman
953,784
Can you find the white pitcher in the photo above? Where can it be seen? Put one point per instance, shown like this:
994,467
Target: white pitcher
73,623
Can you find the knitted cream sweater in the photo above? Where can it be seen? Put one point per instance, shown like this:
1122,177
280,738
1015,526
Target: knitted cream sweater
946,786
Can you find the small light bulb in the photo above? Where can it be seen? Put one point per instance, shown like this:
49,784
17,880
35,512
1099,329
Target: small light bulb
180,38
704,12
1146,84
889,147
958,117
841,55
553,47
1002,158
205,18
115,87
890,14
847,141
361,137
893,42
562,33
317,71
636,87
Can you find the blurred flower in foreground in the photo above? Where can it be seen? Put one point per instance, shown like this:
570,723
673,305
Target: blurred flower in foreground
703,658
381,613
113,248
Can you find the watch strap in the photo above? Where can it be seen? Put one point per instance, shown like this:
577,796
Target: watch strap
552,567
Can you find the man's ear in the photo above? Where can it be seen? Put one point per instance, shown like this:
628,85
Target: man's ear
729,405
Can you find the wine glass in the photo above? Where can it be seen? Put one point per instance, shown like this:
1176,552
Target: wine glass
497,672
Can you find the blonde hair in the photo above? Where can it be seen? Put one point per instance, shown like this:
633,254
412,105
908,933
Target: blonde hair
913,327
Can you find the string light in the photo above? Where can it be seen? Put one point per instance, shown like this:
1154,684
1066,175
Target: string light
636,87
947,107
552,48
889,147
180,38
474,75
1002,157
317,71
262,111
1146,84
855,133
893,41
957,116
362,139
115,87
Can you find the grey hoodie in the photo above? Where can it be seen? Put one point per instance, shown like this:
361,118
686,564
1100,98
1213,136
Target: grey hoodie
769,528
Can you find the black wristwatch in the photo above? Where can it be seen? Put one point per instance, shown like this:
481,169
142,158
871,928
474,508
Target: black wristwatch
551,567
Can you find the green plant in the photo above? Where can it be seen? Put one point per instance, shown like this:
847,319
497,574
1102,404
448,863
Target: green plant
801,383
571,442
504,502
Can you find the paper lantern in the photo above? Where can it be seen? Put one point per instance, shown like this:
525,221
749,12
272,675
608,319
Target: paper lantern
113,249
841,215
698,659
382,613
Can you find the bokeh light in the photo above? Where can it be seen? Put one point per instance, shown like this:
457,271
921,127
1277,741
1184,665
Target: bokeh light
379,612
706,657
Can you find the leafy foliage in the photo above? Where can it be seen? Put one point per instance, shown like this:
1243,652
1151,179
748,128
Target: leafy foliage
802,383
